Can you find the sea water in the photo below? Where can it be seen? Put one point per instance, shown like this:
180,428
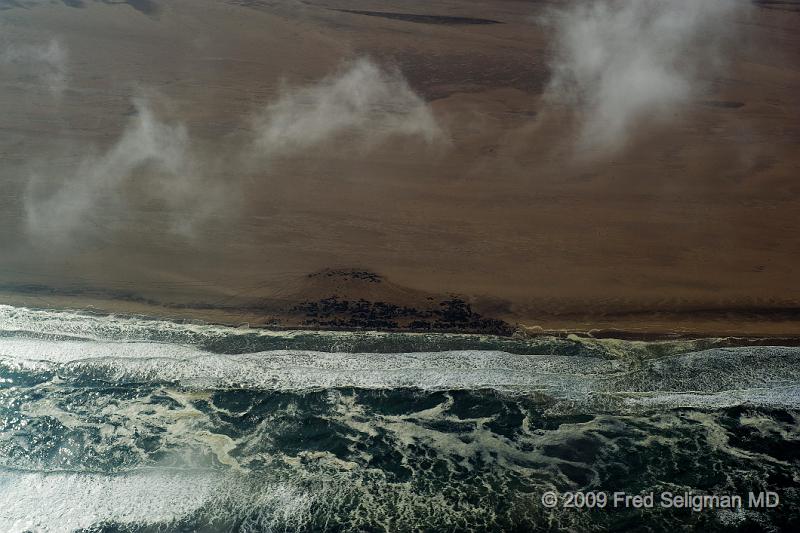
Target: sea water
111,423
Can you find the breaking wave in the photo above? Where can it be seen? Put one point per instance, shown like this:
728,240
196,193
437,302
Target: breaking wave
131,424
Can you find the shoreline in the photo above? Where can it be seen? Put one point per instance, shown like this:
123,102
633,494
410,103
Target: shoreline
753,332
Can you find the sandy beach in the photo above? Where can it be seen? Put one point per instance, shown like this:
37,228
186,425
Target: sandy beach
494,221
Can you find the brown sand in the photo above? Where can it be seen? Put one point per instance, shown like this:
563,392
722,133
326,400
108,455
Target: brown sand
693,228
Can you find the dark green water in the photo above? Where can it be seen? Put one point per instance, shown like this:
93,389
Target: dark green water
122,424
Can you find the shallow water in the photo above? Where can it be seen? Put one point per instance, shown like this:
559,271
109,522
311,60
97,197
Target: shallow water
128,424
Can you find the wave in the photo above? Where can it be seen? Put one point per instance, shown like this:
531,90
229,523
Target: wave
130,424
355,460
84,325
64,501
761,375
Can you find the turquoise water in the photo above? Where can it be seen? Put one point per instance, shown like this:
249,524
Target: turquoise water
129,424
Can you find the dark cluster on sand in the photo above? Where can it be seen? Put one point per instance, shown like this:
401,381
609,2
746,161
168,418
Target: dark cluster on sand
453,314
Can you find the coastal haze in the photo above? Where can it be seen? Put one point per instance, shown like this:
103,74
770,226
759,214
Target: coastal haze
464,165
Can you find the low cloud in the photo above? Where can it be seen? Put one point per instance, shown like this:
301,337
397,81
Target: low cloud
618,63
46,64
363,102
156,160
155,152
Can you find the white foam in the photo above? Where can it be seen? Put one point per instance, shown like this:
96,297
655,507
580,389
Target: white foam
56,502
99,327
295,369
787,397
131,328
121,350
712,378
23,349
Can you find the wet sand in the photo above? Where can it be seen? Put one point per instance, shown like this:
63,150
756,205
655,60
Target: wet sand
692,229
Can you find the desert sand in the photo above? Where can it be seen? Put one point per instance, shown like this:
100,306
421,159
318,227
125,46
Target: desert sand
691,228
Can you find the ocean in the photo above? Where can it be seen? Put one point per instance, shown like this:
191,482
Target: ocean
129,424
